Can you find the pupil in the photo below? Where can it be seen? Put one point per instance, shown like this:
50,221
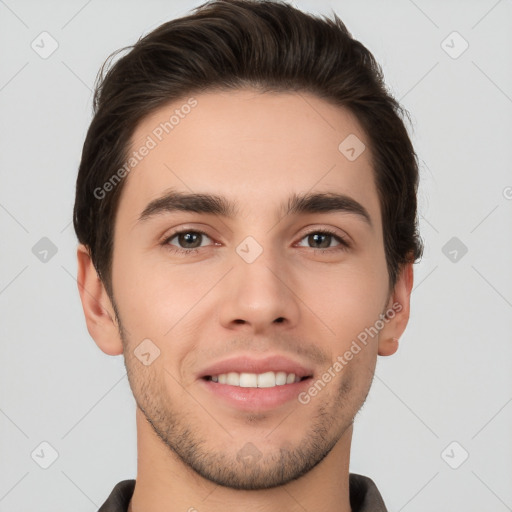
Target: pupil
320,239
189,238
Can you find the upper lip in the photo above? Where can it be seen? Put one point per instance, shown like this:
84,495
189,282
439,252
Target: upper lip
248,364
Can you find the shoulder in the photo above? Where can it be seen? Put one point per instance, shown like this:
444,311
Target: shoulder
119,498
364,495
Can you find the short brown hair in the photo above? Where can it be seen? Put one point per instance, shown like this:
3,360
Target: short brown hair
235,44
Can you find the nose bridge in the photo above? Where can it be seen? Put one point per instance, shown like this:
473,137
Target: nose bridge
258,294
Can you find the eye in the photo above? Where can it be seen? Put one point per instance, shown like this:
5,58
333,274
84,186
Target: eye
186,240
324,239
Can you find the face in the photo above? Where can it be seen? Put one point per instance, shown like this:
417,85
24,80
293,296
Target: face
268,281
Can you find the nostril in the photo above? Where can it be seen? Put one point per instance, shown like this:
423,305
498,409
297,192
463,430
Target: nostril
279,320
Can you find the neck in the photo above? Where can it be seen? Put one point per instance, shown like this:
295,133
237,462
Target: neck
164,482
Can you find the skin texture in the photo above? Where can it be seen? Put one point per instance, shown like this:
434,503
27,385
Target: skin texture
255,149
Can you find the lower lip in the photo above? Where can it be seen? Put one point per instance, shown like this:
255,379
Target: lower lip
250,399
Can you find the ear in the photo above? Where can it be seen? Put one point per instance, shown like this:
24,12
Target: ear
99,314
398,309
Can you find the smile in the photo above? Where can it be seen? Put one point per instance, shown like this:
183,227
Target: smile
255,380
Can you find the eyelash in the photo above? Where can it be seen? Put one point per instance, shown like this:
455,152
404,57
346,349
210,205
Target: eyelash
343,243
179,250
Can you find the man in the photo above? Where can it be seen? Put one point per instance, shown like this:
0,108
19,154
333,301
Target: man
246,212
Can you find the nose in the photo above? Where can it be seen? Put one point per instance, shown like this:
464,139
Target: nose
259,296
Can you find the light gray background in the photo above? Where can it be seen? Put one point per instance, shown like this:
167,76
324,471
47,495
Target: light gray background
451,379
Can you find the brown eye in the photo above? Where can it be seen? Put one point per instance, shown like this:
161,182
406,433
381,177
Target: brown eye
188,239
320,240
323,240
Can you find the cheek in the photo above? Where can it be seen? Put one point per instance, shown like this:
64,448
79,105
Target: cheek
347,297
154,296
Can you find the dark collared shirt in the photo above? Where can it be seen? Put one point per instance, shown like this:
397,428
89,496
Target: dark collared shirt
364,496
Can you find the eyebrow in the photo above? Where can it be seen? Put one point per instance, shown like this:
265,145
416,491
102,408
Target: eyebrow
173,201
326,202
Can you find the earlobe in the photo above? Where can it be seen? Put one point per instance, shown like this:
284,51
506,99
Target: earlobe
398,310
388,346
99,313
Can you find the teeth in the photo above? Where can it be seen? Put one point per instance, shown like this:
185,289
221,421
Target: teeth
248,380
233,379
267,380
281,378
256,380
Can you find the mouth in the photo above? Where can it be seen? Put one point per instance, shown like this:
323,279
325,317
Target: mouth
250,384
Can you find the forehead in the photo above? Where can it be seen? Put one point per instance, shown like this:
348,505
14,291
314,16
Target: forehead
253,148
